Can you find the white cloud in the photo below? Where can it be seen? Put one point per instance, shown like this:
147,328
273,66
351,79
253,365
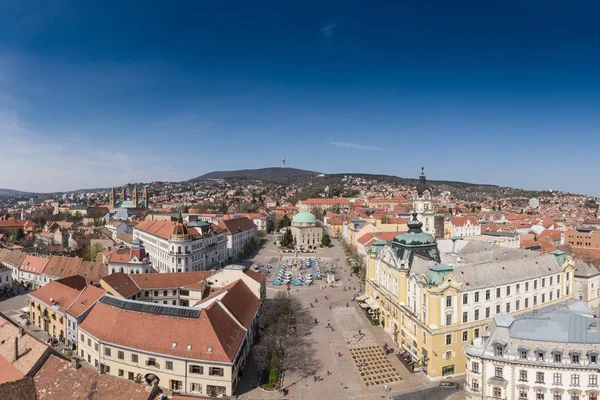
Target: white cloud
33,162
329,30
356,146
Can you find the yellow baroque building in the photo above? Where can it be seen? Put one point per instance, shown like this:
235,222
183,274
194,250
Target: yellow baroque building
434,302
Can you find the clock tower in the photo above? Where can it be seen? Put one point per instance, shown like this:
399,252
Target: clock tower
422,204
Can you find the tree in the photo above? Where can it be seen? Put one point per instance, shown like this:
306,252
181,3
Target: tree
284,222
450,210
20,234
282,345
91,251
139,378
288,239
325,240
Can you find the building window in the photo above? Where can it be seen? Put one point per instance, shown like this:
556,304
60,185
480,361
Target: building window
89,342
557,379
196,369
134,358
523,354
487,312
574,380
497,293
539,377
475,385
130,376
465,336
593,358
465,316
121,373
475,367
476,333
448,301
120,355
508,290
535,285
465,298
476,297
527,303
448,319
169,365
518,288
517,305
196,387
535,300
507,308
448,340
523,375
593,380
498,351
497,392
81,337
497,308
95,346
107,351
476,315
540,356
151,361
543,298
575,358
498,372
215,371
487,294
522,393
156,293
526,286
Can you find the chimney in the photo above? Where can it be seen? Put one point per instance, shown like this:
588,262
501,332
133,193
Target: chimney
75,363
16,351
21,331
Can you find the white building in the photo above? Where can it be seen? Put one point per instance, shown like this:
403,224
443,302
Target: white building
534,203
587,285
180,247
132,260
551,354
423,206
461,227
5,279
240,231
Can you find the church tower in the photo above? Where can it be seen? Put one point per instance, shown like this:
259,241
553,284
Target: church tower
422,204
111,201
134,199
123,193
145,196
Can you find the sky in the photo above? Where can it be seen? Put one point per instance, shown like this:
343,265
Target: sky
98,94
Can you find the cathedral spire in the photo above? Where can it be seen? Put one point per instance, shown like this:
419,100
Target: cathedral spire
111,200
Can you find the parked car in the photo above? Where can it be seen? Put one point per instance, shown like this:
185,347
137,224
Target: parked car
449,385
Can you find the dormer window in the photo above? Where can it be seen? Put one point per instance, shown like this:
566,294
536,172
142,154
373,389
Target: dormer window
557,355
575,357
173,345
499,351
523,354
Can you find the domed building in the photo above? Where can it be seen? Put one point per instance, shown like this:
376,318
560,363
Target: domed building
305,230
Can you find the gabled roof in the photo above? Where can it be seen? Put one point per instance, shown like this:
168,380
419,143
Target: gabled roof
236,225
56,294
87,298
122,284
34,265
30,350
168,280
63,266
15,258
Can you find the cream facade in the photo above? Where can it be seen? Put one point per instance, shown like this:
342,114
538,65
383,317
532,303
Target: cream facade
432,303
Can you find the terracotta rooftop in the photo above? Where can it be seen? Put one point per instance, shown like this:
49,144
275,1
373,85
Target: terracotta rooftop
236,225
56,294
212,336
57,380
33,264
168,280
121,284
164,229
87,298
30,350
21,389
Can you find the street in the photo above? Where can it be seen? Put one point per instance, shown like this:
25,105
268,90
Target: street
433,393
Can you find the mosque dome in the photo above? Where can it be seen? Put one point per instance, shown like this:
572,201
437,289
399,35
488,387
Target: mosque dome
304,217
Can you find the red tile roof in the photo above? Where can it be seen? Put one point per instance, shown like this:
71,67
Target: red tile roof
237,225
122,284
368,238
35,265
322,201
57,380
168,280
56,294
87,298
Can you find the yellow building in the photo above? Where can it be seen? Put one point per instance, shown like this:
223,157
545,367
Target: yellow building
432,303
48,305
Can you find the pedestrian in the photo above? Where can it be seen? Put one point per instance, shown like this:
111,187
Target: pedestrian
385,388
328,373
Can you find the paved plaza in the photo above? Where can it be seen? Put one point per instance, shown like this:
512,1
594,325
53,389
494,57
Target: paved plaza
354,364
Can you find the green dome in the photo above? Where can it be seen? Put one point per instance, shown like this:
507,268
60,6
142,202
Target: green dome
415,235
304,217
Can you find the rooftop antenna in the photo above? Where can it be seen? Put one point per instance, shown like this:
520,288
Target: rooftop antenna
283,160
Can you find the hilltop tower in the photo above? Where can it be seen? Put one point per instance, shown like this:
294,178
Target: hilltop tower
111,201
134,198
283,160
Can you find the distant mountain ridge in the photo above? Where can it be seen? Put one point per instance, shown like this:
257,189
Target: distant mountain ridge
277,175
11,191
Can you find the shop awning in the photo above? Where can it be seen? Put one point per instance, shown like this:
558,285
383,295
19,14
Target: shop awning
372,304
362,297
363,305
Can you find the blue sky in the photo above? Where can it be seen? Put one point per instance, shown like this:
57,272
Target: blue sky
102,93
